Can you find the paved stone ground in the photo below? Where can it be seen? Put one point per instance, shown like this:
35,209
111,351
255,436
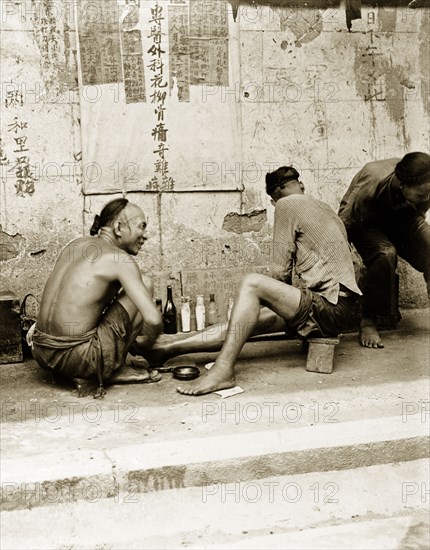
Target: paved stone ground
40,421
364,384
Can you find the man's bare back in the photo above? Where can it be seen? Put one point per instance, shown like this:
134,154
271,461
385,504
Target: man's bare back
80,286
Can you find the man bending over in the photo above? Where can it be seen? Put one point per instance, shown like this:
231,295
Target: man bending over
383,211
96,302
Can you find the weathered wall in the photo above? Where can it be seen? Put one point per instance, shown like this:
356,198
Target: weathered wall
41,203
311,93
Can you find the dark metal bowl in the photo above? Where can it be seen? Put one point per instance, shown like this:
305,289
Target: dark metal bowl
186,373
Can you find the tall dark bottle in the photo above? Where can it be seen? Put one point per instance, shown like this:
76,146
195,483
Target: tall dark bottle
169,314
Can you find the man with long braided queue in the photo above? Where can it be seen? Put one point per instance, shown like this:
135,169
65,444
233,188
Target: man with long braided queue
96,302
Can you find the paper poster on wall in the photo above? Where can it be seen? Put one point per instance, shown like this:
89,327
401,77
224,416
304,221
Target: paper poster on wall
159,108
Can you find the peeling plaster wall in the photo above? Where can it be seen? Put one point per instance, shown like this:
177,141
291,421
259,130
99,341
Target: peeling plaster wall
311,94
327,100
41,203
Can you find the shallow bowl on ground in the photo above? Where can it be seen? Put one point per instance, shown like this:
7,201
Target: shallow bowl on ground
186,372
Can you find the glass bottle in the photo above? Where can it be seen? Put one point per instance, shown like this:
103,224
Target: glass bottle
169,314
200,312
212,311
185,314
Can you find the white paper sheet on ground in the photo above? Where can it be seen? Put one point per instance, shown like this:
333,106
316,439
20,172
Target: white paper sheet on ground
230,392
225,393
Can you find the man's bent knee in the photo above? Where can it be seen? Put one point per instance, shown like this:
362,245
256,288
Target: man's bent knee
386,255
251,281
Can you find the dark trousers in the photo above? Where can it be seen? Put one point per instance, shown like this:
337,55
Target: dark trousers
406,235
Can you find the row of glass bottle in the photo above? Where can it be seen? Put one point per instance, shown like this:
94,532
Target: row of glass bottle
203,318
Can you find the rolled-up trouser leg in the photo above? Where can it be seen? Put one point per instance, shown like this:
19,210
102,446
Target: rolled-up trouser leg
379,284
411,237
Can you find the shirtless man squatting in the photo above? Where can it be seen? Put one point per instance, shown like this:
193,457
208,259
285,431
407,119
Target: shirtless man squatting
96,302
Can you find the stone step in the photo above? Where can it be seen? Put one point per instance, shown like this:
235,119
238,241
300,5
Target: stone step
394,533
147,467
381,506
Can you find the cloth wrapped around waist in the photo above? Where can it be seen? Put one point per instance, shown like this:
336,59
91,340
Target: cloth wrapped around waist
44,340
98,352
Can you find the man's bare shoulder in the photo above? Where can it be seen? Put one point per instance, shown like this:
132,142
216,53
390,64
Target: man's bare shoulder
96,250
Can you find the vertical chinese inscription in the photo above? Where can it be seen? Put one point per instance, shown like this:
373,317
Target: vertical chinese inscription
376,79
200,14
199,61
48,38
161,181
99,41
134,75
218,62
208,42
179,50
22,168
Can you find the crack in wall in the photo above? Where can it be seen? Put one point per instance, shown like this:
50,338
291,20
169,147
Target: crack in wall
243,223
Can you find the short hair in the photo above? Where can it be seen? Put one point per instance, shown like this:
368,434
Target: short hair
108,215
413,169
279,177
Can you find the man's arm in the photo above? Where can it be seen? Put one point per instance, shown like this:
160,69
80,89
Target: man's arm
284,242
128,274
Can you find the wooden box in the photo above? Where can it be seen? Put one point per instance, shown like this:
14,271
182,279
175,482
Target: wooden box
10,329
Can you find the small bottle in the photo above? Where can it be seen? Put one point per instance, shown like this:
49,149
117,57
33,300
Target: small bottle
200,313
193,322
185,314
212,311
169,314
230,307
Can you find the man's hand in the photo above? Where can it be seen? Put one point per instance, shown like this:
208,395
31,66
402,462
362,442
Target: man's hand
151,331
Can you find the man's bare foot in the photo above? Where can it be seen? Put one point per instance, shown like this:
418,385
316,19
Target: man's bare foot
128,375
213,380
369,336
137,362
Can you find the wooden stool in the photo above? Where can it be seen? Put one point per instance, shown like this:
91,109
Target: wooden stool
320,354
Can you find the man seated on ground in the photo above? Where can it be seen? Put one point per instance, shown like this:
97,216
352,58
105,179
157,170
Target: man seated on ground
96,302
308,234
383,212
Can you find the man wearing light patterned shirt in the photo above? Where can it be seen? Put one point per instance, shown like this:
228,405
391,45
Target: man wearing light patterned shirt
307,234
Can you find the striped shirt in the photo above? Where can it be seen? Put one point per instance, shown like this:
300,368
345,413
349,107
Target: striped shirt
309,235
